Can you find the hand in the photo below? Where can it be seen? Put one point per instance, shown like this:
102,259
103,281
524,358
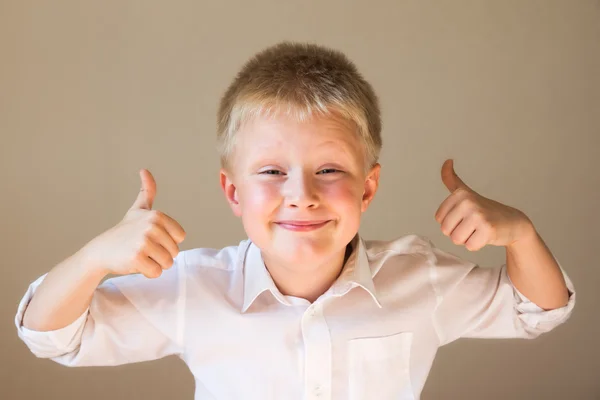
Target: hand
474,221
145,241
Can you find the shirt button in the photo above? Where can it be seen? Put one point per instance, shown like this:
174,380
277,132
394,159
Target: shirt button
317,391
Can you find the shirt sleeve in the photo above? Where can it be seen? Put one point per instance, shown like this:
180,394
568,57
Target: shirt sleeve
481,302
130,319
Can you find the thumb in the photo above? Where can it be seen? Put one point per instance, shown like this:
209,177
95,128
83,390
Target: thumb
450,178
145,198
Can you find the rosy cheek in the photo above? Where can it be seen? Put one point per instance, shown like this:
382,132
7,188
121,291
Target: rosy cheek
261,195
342,192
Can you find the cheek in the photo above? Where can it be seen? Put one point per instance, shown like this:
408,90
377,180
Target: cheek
257,198
345,195
346,201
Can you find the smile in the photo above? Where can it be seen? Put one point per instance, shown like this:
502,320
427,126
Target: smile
302,226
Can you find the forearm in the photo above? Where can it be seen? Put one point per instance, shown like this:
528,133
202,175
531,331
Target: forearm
64,294
535,273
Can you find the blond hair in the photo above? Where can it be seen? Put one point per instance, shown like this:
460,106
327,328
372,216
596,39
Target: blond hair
301,80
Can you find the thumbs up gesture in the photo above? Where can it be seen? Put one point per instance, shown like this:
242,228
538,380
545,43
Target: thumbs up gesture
475,221
145,241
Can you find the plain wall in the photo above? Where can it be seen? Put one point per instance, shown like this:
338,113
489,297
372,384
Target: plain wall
90,92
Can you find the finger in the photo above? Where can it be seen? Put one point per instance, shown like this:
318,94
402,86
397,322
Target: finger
148,267
160,255
477,240
160,236
452,219
172,227
463,230
145,198
447,205
156,259
450,178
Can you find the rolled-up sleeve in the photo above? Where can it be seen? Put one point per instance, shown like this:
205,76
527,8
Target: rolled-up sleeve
481,302
536,320
130,319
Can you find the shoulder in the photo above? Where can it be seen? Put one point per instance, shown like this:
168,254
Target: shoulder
228,258
419,249
401,245
403,254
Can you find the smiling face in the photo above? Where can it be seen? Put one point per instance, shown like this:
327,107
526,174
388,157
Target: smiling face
299,187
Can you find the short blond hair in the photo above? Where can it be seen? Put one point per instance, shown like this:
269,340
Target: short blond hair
301,80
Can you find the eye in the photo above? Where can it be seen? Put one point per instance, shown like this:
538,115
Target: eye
331,170
270,172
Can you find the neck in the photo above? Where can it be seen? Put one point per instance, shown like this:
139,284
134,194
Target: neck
304,283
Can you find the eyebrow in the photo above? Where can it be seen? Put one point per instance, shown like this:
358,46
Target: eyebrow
264,154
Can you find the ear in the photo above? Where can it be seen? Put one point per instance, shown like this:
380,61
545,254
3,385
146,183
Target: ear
371,185
230,191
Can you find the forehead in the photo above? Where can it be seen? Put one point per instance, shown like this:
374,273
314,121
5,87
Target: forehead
281,133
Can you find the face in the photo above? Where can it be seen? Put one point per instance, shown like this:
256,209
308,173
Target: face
299,187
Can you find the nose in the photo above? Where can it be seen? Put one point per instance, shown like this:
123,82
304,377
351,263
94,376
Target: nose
300,191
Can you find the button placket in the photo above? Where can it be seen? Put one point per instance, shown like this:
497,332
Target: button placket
317,353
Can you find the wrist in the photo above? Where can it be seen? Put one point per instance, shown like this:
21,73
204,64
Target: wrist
526,236
86,259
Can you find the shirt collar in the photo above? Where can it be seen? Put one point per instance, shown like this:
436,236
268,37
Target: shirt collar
356,272
257,278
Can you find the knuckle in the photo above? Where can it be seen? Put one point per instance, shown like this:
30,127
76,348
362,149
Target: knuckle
154,272
139,255
155,216
460,191
149,228
152,230
446,229
146,241
482,218
468,203
169,263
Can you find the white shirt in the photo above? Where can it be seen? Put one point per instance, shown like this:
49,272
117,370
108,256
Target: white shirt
373,335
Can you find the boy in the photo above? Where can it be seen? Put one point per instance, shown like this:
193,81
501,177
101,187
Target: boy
304,308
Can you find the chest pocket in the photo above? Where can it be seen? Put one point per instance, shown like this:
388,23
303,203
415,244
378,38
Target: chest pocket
379,367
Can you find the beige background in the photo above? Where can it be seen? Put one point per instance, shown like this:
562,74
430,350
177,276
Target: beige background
90,92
